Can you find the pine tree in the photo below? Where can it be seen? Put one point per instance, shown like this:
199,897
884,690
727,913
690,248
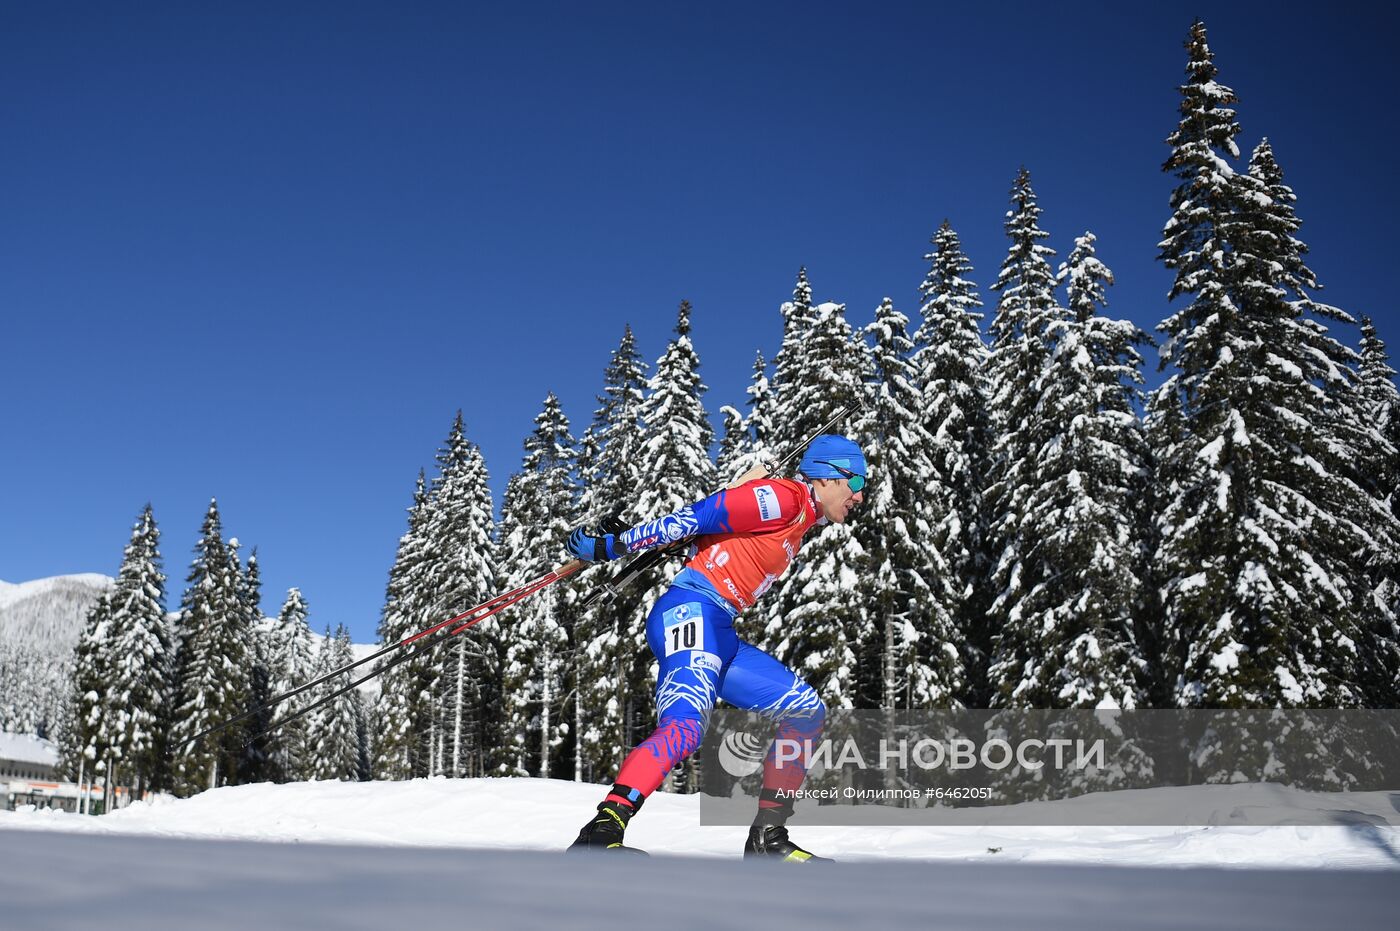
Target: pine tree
1021,351
745,443
213,666
398,753
335,750
915,661
949,361
734,443
138,650
610,709
459,521
793,416
815,621
676,454
1380,463
619,428
260,752
291,663
539,509
364,739
1347,439
759,419
1380,402
86,741
676,465
1082,543
1197,340
1263,521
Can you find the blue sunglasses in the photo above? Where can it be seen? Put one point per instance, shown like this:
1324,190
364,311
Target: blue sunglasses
854,480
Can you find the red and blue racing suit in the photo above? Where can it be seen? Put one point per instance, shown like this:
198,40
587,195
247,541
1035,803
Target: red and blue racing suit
744,538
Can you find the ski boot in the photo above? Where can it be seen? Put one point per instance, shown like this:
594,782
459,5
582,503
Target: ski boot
770,842
604,831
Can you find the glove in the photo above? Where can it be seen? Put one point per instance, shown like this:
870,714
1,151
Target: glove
592,547
614,524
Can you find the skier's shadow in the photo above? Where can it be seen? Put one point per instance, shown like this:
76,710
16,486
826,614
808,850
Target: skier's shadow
1383,836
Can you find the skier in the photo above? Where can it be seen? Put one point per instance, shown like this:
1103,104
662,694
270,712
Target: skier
744,538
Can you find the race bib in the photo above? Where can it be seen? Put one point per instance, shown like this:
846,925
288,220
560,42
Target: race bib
683,628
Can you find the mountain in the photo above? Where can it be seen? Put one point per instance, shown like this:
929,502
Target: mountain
40,622
49,613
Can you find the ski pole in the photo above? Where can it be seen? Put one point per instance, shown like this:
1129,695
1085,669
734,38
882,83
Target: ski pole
514,596
490,607
641,563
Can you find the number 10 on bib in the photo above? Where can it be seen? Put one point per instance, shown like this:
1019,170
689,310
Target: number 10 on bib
684,628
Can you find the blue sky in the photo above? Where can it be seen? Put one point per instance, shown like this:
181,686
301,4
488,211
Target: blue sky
266,254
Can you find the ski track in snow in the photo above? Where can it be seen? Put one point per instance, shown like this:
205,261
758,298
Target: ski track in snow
486,853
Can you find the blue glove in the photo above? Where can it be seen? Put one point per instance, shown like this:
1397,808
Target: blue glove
590,548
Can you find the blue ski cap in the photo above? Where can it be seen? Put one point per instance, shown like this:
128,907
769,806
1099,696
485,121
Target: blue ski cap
836,450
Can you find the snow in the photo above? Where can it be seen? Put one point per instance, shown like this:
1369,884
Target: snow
13,593
1259,828
352,855
1211,451
1289,684
1191,583
61,881
27,748
1228,656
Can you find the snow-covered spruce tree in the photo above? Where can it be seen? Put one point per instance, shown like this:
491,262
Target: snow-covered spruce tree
1192,413
1367,541
612,711
85,743
138,668
398,750
759,419
745,442
539,509
786,422
364,739
461,525
1380,406
619,430
18,713
733,444
36,684
675,462
676,466
335,749
291,662
914,660
949,361
816,621
1258,533
1021,352
260,752
1084,511
212,666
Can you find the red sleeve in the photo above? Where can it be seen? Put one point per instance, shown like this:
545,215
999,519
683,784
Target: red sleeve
762,504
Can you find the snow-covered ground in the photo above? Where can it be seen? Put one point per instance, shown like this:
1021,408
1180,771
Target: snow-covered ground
431,853
545,814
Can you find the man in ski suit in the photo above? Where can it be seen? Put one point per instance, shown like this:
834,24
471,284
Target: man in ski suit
743,539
